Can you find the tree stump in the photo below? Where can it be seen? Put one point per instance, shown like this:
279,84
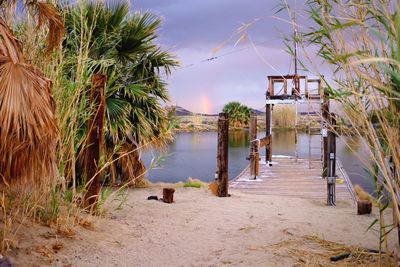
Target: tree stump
364,207
168,195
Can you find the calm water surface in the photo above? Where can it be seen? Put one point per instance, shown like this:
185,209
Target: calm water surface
194,155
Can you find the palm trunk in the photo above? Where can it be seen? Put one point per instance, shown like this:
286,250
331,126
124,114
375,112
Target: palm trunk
94,140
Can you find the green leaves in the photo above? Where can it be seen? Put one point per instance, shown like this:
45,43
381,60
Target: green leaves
239,114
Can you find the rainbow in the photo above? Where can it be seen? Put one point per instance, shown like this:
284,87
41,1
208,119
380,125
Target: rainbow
206,105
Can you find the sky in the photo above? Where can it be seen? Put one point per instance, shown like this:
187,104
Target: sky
193,30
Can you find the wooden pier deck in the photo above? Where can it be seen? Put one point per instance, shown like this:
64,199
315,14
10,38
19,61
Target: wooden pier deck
293,178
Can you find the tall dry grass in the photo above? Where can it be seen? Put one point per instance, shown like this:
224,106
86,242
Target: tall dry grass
30,190
284,116
359,43
69,74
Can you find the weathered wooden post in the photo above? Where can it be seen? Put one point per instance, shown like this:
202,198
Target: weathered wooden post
325,122
268,147
168,195
254,154
222,154
331,178
364,207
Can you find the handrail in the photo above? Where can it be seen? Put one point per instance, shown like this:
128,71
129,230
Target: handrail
346,177
262,142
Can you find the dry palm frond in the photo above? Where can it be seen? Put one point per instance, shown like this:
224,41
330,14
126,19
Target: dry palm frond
314,251
9,46
28,132
48,13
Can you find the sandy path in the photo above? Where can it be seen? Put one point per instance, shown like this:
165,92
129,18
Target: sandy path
202,230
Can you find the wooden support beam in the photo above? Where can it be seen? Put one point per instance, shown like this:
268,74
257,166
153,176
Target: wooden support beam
320,91
290,76
331,179
296,90
222,155
285,87
271,88
325,125
306,87
268,148
256,161
253,146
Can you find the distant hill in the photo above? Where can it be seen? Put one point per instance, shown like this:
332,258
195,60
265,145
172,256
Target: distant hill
258,112
180,111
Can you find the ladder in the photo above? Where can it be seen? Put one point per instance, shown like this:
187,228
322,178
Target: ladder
310,132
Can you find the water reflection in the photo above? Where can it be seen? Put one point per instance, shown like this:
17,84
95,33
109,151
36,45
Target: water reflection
194,155
196,138
238,138
283,142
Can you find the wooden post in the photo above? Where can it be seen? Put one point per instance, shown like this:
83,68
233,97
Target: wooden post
306,87
325,118
257,160
95,139
168,195
364,207
296,81
285,87
271,87
222,157
254,149
268,148
331,178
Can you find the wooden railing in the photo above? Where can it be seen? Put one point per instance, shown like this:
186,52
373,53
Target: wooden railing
255,146
254,156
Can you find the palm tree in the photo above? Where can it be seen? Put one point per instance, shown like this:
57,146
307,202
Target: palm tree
28,131
121,47
239,114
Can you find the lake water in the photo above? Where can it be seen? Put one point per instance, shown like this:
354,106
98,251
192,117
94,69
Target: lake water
194,155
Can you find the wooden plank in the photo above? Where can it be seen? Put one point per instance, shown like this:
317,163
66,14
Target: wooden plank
290,76
289,178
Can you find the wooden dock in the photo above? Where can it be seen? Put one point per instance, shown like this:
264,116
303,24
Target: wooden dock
293,178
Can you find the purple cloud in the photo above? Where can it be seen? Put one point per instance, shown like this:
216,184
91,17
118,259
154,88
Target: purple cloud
193,29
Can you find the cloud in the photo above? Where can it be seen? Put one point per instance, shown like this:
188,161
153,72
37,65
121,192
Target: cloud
193,29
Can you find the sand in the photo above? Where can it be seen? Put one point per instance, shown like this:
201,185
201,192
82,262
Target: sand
203,230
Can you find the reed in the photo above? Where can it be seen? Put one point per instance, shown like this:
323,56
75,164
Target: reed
69,67
284,117
359,42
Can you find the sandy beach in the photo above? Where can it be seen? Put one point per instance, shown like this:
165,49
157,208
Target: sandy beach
200,229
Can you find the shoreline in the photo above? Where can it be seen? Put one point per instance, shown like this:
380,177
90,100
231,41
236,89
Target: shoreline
201,123
242,230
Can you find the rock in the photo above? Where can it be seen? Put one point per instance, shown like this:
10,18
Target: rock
152,198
